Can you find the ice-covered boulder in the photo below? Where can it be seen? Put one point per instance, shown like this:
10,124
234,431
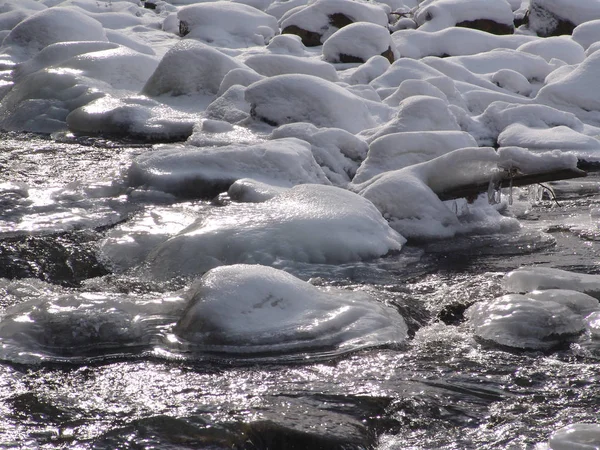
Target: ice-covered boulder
190,67
271,65
309,223
227,24
408,198
338,152
491,16
304,98
558,17
577,436
205,172
50,26
578,302
398,150
527,279
249,309
358,42
317,21
522,322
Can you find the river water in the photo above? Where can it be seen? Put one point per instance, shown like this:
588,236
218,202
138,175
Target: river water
442,389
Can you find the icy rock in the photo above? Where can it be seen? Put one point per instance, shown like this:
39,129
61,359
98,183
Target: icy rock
205,172
226,24
303,98
578,302
522,322
398,150
190,67
527,279
317,21
338,152
247,190
491,16
231,106
358,42
51,26
308,223
577,436
271,65
247,309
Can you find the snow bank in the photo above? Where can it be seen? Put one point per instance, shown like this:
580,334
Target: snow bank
271,65
576,89
190,67
245,309
51,26
304,98
398,150
435,15
526,279
559,47
522,322
205,172
227,24
358,42
309,223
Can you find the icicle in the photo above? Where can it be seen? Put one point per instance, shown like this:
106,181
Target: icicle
510,192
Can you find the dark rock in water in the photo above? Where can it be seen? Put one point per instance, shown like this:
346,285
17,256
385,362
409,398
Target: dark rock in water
546,23
339,20
344,58
521,19
309,38
66,259
489,26
184,28
312,38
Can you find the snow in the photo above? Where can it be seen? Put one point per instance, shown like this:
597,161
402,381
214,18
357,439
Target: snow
204,172
309,223
271,65
587,33
564,48
241,309
522,322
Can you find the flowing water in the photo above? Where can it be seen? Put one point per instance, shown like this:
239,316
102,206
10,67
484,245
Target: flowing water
441,389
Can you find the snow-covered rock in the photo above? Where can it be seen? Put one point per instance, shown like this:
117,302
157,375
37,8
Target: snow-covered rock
246,309
318,20
492,16
304,98
190,67
559,17
271,65
527,279
358,42
206,171
227,24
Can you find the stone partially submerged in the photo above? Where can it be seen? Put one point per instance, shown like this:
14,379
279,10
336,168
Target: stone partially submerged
250,309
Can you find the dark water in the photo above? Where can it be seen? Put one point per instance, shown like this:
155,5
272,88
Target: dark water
441,389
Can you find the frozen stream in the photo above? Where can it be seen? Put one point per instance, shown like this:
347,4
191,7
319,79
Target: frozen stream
441,389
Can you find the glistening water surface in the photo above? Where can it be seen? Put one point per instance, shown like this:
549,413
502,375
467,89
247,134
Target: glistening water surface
441,389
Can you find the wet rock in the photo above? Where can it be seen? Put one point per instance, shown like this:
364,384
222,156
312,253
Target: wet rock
489,26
